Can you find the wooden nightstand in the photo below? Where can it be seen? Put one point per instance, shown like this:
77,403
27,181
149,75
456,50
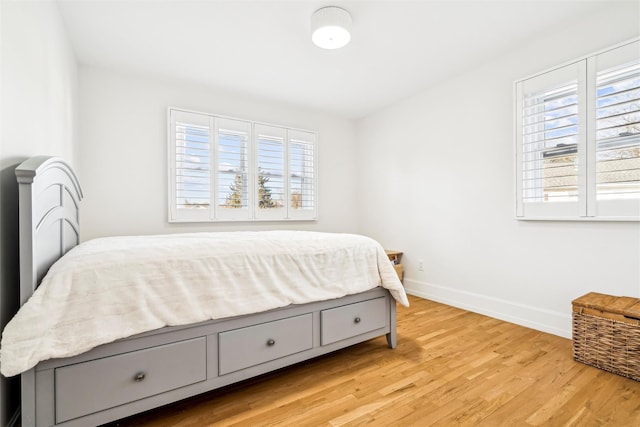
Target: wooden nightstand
396,257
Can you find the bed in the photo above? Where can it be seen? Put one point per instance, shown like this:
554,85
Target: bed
161,360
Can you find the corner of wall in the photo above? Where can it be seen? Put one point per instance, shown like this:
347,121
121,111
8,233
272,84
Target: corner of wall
38,113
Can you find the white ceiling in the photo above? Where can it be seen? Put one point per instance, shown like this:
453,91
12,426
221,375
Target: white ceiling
263,47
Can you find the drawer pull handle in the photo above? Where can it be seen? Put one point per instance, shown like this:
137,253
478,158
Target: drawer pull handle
356,320
271,342
139,377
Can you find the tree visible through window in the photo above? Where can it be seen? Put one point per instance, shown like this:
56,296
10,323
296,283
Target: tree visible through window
234,199
231,169
264,193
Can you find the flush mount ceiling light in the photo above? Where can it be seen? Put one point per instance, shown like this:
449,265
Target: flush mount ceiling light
330,27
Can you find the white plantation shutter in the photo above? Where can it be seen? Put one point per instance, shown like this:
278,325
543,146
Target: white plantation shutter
270,193
189,161
302,183
617,131
551,143
578,139
232,169
225,169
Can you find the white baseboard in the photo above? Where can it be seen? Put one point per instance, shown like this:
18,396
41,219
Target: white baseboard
553,322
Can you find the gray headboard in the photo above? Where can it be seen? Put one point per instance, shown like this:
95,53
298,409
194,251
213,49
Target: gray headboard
49,198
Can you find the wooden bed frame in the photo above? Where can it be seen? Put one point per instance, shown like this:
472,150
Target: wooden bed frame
148,370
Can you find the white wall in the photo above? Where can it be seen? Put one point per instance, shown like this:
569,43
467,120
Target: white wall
123,153
436,181
435,184
38,106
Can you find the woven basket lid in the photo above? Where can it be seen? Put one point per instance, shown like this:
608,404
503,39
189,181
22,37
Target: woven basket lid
626,306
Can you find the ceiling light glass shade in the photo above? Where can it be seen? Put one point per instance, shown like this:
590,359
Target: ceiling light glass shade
330,27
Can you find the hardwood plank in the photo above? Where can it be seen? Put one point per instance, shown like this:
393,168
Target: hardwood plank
451,367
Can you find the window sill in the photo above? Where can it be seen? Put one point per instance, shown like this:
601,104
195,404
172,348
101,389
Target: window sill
586,218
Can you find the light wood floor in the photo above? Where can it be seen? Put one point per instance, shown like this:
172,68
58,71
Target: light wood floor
451,367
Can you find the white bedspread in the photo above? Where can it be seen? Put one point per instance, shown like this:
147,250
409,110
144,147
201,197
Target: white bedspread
112,288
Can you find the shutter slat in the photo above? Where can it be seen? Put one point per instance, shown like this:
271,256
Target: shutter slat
270,159
239,147
300,175
233,165
550,136
192,153
618,133
632,103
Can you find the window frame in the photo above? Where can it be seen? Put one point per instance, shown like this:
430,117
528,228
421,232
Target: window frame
587,207
214,212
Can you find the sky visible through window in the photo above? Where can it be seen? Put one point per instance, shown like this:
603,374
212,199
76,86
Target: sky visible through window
193,157
551,160
618,133
192,166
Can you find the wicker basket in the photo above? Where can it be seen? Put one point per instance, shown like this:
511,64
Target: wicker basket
606,333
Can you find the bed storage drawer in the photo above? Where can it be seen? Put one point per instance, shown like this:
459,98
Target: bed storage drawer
88,387
350,320
245,347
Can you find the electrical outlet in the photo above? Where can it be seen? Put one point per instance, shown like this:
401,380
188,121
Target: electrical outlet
420,265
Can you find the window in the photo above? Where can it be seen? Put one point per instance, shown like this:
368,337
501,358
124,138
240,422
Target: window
270,156
224,169
301,172
232,169
191,172
578,139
